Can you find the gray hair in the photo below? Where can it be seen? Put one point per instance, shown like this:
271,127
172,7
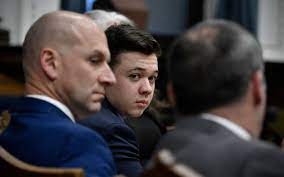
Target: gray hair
105,19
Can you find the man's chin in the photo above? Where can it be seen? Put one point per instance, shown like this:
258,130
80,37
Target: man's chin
136,114
96,108
88,111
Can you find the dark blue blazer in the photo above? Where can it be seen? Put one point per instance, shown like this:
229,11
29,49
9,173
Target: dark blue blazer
41,134
121,139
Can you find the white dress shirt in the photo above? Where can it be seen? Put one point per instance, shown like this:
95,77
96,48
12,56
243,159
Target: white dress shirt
56,103
233,127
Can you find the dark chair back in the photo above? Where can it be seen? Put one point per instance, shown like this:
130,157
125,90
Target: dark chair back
164,165
13,167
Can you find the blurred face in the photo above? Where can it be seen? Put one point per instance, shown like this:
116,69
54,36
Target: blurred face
84,74
136,74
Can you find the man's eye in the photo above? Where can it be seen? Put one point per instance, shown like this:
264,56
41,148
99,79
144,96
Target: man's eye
94,60
134,77
153,79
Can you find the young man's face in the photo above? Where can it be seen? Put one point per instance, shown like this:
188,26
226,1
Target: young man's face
136,74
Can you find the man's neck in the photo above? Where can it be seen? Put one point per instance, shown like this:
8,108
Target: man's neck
239,115
233,127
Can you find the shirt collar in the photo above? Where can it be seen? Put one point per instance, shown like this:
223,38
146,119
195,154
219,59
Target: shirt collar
56,103
236,129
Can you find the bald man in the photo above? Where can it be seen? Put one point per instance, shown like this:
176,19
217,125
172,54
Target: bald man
65,61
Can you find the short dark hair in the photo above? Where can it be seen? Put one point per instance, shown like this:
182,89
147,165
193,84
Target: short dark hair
211,65
127,38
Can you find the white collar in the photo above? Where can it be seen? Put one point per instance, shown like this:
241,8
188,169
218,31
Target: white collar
235,128
56,103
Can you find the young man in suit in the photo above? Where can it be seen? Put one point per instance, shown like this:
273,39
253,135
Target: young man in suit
65,59
218,88
135,65
148,122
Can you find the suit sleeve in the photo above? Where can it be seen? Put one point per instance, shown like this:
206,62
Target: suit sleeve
86,149
125,151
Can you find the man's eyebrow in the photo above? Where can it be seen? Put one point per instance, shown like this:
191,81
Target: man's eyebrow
99,53
142,70
95,51
138,69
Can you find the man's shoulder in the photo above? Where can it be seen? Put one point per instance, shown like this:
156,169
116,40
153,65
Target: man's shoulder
76,130
198,132
199,147
105,118
198,135
258,147
51,124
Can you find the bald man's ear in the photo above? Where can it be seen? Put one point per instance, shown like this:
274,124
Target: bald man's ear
171,94
48,61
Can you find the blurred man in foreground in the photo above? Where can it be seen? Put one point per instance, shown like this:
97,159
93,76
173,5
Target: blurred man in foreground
218,88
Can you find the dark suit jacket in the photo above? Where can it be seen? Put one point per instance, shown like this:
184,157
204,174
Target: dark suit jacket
148,132
215,151
121,139
41,134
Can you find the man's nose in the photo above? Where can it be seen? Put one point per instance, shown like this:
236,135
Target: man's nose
146,87
107,77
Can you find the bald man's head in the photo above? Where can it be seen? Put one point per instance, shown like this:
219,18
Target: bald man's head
65,58
59,30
